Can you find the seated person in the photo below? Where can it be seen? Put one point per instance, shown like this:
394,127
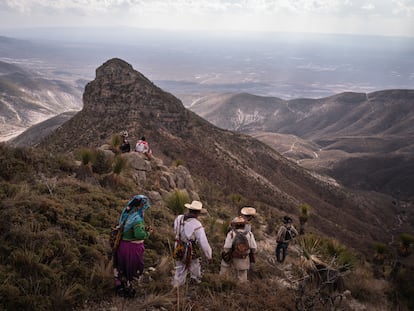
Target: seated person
125,146
143,147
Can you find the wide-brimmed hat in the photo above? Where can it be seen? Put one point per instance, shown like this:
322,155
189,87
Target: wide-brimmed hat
248,211
195,206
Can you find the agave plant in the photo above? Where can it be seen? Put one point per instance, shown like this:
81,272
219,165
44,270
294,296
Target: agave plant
304,211
176,201
406,240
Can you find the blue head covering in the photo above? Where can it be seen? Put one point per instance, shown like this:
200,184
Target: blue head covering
138,204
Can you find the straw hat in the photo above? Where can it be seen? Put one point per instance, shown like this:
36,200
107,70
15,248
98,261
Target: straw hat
248,211
195,206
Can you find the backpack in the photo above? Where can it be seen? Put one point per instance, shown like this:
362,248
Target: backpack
289,235
240,247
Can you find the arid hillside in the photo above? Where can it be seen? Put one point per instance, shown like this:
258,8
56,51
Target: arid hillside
365,141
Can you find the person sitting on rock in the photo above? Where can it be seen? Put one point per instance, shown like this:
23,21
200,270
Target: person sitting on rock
143,147
125,146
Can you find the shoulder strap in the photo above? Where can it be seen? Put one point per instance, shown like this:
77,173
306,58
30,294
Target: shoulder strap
180,224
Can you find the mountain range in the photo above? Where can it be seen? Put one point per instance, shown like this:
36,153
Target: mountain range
27,98
221,161
70,205
363,140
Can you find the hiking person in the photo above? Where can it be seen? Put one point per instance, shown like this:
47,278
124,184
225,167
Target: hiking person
190,232
286,233
125,146
248,213
143,147
130,253
240,242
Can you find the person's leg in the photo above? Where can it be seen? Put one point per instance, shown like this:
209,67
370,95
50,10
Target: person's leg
284,251
225,268
241,275
180,274
195,270
277,252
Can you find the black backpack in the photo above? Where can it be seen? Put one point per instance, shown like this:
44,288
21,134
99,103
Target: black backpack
289,235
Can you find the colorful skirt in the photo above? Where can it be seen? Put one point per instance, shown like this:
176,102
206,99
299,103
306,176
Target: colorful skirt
130,257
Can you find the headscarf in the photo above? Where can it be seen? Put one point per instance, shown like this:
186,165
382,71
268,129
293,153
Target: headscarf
138,203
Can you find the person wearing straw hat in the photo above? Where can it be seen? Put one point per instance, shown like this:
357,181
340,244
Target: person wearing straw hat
248,213
240,243
189,230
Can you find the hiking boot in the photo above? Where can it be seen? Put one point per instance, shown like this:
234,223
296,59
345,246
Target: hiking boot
130,292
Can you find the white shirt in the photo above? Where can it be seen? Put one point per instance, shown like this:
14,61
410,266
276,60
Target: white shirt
192,230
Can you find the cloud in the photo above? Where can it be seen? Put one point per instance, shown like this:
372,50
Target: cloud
213,6
279,15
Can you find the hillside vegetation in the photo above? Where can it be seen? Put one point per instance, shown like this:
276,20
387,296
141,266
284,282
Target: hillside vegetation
57,211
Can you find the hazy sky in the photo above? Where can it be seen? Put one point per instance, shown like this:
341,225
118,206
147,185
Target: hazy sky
379,17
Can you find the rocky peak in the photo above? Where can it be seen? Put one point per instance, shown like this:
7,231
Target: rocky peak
119,98
119,88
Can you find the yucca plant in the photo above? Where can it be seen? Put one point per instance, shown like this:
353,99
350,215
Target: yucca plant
406,240
115,143
87,157
309,247
380,251
120,165
304,211
176,201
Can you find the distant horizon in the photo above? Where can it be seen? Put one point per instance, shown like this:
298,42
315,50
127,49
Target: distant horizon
379,17
286,65
12,31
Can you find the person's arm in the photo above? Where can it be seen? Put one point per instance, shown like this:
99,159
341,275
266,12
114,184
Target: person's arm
252,242
228,243
201,237
295,232
139,231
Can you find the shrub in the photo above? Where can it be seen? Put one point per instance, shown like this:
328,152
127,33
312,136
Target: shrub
102,163
176,200
87,156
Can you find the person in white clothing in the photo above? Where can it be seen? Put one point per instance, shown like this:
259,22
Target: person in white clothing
189,230
240,243
248,213
143,147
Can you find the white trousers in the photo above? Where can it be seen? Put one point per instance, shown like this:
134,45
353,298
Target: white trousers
181,272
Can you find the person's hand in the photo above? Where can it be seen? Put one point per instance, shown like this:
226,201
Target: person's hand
210,260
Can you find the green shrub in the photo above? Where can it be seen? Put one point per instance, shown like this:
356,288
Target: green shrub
120,164
102,164
87,156
176,200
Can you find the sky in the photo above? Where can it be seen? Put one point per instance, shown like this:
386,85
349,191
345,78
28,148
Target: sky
365,17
